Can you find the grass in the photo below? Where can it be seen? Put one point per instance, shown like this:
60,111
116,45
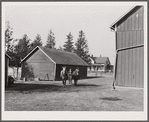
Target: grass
92,94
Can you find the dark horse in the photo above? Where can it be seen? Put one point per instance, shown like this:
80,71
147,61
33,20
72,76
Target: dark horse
75,75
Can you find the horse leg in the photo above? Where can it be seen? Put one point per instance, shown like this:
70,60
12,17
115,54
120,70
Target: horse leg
63,82
75,82
71,80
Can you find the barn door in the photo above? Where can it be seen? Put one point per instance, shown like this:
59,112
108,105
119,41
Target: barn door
130,67
138,67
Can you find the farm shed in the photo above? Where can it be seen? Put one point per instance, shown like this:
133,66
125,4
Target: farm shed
45,64
129,30
7,58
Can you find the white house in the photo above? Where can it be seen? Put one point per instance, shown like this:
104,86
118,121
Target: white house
99,64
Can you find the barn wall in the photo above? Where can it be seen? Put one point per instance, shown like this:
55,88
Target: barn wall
82,70
130,32
38,66
130,68
130,63
6,70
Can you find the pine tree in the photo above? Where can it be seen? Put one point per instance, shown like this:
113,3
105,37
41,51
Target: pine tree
23,46
50,40
21,50
36,42
81,47
68,46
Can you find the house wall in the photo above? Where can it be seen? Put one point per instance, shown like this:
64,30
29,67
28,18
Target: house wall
130,62
38,66
94,67
82,70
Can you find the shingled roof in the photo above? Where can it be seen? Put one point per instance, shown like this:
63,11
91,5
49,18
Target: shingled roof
100,60
59,57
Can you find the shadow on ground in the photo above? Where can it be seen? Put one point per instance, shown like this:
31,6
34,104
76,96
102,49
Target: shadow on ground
29,88
110,98
90,77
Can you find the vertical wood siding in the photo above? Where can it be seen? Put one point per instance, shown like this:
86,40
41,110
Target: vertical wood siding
130,62
137,68
127,38
130,68
39,66
133,67
123,68
118,73
131,29
6,70
142,66
126,68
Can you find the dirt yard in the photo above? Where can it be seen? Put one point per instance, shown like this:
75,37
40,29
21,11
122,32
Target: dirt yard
92,94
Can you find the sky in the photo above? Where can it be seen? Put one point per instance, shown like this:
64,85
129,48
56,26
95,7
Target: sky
94,18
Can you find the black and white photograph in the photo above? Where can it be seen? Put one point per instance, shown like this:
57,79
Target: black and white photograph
74,60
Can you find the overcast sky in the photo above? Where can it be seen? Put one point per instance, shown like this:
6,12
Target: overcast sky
93,18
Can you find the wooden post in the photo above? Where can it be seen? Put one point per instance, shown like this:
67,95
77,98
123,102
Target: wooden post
96,70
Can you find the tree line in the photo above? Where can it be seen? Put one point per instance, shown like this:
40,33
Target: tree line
19,48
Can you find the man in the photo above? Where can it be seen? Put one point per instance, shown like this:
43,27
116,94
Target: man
70,76
63,75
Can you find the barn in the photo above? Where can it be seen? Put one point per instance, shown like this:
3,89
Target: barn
129,31
7,58
45,64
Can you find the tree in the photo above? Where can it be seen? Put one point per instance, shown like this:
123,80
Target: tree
21,50
36,42
50,40
68,46
23,46
81,47
12,54
8,37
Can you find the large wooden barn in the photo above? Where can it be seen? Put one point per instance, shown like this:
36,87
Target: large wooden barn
129,30
45,64
7,58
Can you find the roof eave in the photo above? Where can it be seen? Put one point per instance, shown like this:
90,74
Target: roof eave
29,54
73,64
113,26
8,56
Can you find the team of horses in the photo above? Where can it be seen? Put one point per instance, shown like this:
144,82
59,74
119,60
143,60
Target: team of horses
69,75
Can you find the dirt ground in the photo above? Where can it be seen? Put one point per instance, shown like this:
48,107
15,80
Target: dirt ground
91,94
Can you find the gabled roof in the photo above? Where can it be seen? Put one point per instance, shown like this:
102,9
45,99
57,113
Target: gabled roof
59,57
100,60
125,16
8,56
